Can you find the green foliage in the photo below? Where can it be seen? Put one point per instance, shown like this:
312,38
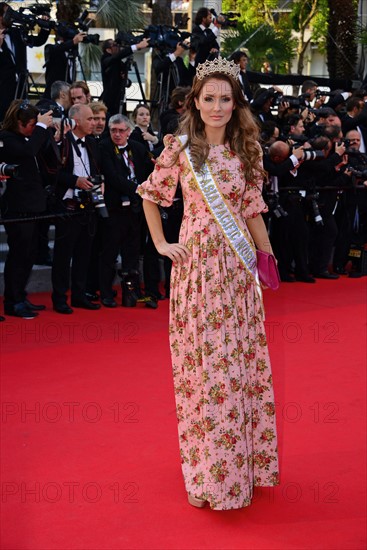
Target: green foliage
263,44
123,15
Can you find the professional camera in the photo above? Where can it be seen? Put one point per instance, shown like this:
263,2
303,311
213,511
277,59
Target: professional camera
311,154
8,170
68,32
312,198
162,37
359,172
27,21
94,196
229,18
275,207
57,117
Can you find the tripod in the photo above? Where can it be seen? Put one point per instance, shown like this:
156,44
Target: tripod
126,83
71,67
24,82
166,81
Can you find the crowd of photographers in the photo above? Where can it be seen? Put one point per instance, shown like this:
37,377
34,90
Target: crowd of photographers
86,160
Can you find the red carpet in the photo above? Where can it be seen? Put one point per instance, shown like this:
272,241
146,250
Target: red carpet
89,444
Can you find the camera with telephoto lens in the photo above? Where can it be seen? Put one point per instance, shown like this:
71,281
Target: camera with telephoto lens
8,170
57,117
311,154
312,198
275,207
94,196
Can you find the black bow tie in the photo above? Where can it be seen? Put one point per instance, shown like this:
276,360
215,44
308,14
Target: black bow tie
80,142
123,149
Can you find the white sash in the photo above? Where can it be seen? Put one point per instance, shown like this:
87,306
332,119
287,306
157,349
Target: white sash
215,201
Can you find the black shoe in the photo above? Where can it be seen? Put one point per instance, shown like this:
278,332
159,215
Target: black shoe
2,318
63,308
326,275
287,279
340,271
21,310
34,307
355,274
109,302
149,301
92,296
305,279
85,304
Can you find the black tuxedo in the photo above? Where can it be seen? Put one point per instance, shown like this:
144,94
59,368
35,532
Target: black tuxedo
13,68
74,235
245,85
122,230
57,63
24,197
114,75
204,41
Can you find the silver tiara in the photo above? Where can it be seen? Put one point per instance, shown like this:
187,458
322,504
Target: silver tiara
218,65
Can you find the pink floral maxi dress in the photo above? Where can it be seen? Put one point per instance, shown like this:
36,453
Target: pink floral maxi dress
221,368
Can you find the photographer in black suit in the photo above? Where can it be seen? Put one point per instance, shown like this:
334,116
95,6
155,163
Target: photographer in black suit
125,165
114,72
205,33
23,135
61,58
13,60
74,234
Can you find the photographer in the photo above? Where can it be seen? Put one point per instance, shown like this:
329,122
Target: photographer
289,232
60,58
23,135
206,30
125,166
322,204
114,72
13,59
351,213
74,234
172,72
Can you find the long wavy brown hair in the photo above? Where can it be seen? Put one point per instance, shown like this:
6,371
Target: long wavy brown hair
242,132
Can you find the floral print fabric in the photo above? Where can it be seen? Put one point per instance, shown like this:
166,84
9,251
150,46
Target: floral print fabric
221,368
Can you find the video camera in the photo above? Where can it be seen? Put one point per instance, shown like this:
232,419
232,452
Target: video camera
28,21
229,18
162,37
68,32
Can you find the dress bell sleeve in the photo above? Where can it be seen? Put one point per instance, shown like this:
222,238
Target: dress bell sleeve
161,185
253,203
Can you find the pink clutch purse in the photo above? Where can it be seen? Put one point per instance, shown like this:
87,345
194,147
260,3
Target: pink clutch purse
267,269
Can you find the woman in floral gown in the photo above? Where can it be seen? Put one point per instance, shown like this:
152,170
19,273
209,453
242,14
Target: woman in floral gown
221,368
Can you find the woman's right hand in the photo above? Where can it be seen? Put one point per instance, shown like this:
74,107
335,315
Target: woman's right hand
45,118
176,252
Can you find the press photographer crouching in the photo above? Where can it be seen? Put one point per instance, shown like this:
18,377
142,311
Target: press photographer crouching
23,135
76,188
